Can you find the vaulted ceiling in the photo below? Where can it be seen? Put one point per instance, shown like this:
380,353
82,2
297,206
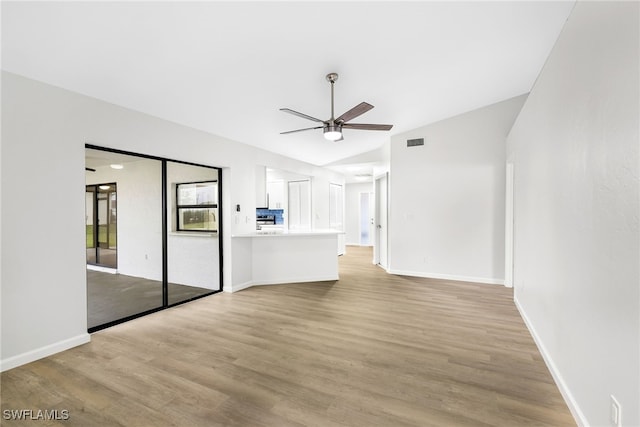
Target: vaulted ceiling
228,67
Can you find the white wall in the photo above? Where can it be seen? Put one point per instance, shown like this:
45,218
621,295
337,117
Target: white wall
139,202
43,136
352,211
44,299
446,216
575,149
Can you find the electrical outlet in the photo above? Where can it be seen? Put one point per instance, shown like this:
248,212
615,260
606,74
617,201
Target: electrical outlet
615,413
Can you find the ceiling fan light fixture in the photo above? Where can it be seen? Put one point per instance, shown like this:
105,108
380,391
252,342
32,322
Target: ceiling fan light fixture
332,133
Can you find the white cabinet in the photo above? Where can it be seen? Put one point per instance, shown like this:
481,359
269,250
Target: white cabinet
261,186
299,205
275,195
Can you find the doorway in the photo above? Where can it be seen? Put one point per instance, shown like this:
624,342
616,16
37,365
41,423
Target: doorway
509,227
366,219
101,222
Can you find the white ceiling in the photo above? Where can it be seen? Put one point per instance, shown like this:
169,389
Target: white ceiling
95,159
227,67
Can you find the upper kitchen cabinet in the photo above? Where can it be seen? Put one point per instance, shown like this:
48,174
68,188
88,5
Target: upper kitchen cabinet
261,186
276,195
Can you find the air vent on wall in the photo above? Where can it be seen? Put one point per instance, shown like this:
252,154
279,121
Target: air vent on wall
415,142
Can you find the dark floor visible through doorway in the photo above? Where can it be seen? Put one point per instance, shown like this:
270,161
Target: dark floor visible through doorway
112,297
108,257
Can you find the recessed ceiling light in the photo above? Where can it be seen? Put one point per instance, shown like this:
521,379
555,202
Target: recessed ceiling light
104,187
116,166
363,177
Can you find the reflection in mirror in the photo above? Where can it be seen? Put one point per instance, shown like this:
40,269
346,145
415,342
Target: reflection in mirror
124,242
192,244
197,206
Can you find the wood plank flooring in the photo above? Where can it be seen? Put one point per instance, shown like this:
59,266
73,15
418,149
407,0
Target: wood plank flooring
369,350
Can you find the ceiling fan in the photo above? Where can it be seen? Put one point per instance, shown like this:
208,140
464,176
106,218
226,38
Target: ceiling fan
332,128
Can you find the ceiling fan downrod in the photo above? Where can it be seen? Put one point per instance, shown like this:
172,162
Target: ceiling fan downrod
332,78
332,130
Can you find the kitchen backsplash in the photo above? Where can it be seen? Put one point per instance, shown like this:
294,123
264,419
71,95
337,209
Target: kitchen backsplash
278,213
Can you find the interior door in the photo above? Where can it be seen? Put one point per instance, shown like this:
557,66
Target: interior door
367,228
101,224
380,248
299,205
372,223
90,224
336,214
509,228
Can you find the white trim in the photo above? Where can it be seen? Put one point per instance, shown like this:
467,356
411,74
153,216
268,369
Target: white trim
578,416
509,226
305,279
382,267
239,287
485,280
39,353
102,269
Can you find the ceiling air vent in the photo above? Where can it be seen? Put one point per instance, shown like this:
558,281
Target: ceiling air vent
415,142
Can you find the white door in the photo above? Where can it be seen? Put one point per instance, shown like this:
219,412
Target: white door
366,219
508,231
336,214
380,248
299,205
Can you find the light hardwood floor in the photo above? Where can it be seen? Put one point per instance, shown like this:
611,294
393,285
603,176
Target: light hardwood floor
369,350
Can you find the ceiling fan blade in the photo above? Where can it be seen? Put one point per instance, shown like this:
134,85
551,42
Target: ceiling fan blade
363,126
300,130
304,116
359,109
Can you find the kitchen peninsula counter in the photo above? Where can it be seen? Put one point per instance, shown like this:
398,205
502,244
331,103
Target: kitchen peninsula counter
289,233
275,257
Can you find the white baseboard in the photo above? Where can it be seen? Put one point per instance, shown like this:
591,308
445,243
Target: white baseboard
382,267
39,353
239,287
102,269
305,279
297,280
578,416
485,280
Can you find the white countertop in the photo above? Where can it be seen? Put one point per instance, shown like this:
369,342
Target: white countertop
289,233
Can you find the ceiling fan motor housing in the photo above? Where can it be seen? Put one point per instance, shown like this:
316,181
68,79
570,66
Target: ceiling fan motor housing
332,132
